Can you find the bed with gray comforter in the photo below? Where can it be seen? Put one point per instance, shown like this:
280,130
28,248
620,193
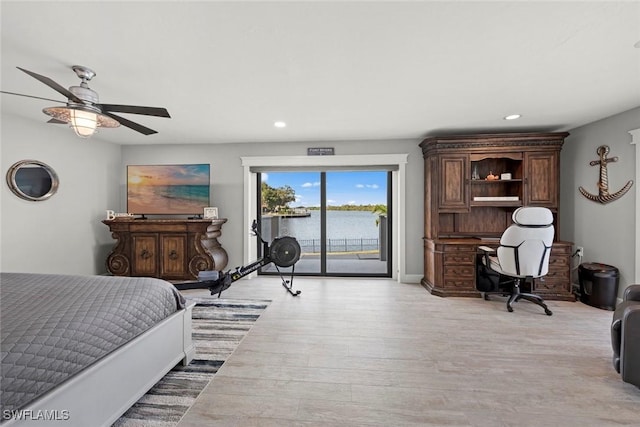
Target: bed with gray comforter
55,326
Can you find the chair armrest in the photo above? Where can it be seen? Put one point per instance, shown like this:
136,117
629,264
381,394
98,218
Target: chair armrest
616,334
630,346
632,293
486,249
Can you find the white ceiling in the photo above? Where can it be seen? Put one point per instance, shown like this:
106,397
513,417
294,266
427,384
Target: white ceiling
331,70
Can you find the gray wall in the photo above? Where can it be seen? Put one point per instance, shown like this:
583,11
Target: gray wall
62,234
227,192
65,235
607,232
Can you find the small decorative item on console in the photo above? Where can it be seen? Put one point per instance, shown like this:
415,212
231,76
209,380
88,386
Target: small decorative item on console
111,215
492,177
210,213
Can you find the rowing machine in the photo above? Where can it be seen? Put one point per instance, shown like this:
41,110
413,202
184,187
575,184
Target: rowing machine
283,252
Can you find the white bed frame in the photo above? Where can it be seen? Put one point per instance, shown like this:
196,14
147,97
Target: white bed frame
100,394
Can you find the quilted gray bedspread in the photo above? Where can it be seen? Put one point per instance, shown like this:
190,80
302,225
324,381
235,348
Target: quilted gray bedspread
54,326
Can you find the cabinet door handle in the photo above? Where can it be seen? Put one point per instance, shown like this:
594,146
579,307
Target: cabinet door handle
145,254
173,254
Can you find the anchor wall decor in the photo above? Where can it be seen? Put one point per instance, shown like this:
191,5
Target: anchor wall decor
603,185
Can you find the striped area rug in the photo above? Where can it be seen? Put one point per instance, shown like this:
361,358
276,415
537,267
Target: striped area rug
218,327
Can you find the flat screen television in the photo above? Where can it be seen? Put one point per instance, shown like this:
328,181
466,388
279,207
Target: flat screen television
168,189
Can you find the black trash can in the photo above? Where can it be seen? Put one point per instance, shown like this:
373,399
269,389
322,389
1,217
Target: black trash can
598,285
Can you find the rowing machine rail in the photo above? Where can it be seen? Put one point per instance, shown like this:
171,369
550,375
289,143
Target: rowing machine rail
283,252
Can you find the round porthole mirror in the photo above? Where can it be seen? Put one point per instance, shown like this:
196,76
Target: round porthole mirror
32,180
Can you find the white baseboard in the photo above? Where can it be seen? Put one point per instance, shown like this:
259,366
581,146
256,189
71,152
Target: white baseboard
411,278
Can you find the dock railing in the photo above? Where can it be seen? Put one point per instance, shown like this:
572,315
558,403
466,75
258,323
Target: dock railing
340,245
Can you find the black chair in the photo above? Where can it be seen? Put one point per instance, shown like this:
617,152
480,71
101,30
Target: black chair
625,336
522,257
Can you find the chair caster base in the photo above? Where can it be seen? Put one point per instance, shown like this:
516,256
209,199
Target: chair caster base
531,298
546,310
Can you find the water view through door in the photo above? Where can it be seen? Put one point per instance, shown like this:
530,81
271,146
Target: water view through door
338,217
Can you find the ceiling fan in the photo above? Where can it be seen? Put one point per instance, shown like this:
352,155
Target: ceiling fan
84,112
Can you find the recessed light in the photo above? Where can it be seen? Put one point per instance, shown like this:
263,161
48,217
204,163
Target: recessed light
512,117
280,124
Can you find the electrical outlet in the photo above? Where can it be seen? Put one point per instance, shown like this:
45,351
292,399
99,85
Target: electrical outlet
580,251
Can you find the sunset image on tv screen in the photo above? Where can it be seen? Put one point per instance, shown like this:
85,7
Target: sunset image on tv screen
167,189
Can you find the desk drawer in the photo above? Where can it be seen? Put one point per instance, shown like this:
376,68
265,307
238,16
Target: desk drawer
459,258
558,262
459,248
561,287
461,271
460,284
557,274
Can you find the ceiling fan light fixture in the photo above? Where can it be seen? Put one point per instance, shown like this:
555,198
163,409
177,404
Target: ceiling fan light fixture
83,123
83,120
84,113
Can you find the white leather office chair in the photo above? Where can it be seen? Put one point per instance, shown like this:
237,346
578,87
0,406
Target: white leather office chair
523,254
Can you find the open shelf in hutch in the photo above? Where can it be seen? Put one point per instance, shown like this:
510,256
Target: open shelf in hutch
496,192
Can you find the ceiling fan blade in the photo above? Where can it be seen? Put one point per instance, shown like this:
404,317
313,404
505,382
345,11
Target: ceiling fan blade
53,85
133,109
131,125
31,96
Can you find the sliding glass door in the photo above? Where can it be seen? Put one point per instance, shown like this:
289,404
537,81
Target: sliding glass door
290,206
356,209
338,217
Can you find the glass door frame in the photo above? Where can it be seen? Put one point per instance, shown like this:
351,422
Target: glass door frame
397,162
323,227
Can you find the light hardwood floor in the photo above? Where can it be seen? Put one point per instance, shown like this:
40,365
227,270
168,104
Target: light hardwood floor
373,352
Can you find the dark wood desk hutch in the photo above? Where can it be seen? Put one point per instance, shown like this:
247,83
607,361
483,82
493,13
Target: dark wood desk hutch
462,209
170,249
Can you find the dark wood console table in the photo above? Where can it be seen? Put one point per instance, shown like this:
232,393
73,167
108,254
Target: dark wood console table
170,249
